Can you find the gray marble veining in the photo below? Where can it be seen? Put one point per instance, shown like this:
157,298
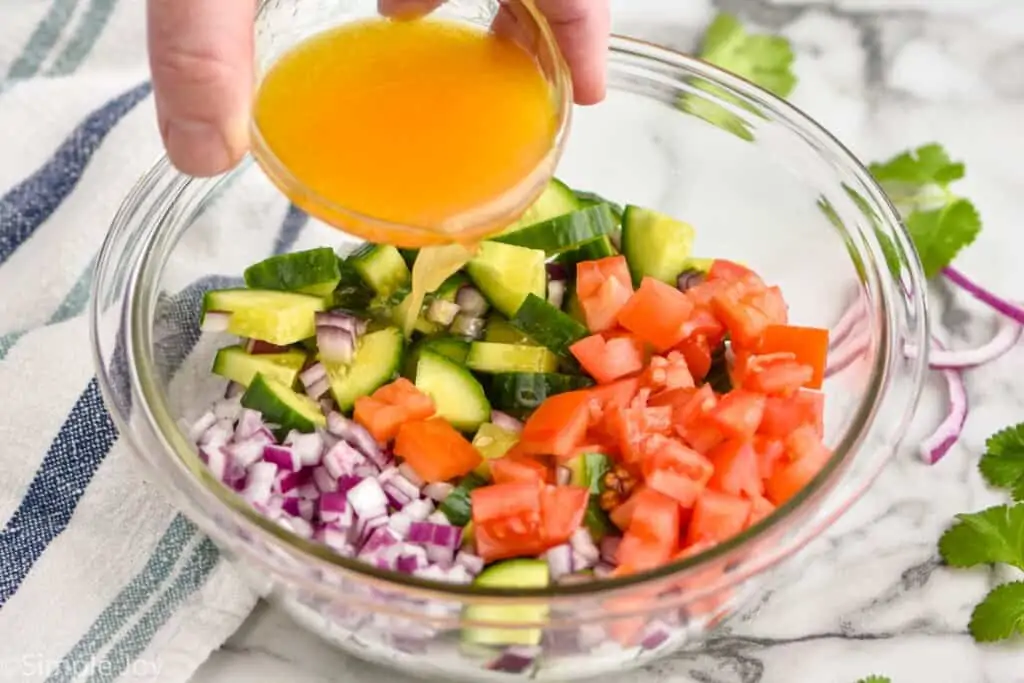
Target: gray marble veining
870,596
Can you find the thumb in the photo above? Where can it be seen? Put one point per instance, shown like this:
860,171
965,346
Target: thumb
582,28
201,58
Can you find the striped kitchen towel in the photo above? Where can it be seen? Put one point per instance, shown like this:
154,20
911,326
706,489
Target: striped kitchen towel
100,579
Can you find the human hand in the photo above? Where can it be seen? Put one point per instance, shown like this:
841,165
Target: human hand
201,58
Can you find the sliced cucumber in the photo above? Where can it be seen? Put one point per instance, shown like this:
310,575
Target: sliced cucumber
505,274
356,297
377,360
597,521
591,198
449,289
593,250
281,318
548,326
655,245
452,348
588,470
283,407
563,233
521,573
457,505
501,331
235,364
313,272
381,267
493,442
494,358
701,264
557,199
458,396
519,393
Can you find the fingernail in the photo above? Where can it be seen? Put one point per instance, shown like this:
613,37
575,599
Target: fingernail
198,148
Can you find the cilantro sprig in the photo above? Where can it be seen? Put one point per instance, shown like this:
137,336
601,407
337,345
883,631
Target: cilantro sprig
1003,462
875,679
940,222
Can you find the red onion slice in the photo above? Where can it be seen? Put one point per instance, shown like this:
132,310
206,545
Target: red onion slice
935,447
282,457
556,292
258,347
853,315
357,436
506,421
259,482
1005,339
559,561
1010,310
335,344
472,303
313,374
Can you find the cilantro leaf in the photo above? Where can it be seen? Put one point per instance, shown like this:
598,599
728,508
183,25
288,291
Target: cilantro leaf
940,222
762,59
1003,462
992,535
1000,614
875,679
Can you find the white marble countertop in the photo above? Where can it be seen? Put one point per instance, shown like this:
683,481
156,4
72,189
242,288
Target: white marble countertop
871,597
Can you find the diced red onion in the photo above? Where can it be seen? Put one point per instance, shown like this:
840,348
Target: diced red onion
380,539
308,491
318,388
399,523
419,510
610,548
217,435
559,560
297,526
408,564
234,390
366,470
249,423
341,321
274,504
440,540
334,537
583,545
1006,338
259,482
290,506
506,422
471,301
689,278
335,344
590,636
357,436
313,374
325,483
201,426
368,499
228,409
247,452
515,660
575,578
563,475
556,271
442,312
1010,310
655,635
342,459
603,570
217,461
438,491
556,292
347,482
437,517
258,347
215,321
282,456
466,325
288,482
459,574
396,499
365,526
474,564
935,447
406,470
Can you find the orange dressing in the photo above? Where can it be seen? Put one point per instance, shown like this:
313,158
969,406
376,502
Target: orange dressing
408,122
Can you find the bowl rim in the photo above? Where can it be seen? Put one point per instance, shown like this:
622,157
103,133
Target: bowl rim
469,222
165,426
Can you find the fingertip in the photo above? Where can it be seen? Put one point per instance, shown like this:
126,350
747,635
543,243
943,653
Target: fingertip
201,148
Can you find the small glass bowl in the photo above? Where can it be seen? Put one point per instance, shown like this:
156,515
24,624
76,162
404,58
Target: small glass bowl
761,182
282,24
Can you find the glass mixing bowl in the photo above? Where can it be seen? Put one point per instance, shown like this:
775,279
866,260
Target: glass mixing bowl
762,184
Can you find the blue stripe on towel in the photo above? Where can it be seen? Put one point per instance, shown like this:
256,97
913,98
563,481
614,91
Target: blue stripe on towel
28,205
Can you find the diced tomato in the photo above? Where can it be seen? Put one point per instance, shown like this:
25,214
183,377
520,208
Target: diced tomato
384,412
722,269
381,419
784,414
591,274
697,352
716,517
769,452
507,520
676,398
675,470
607,360
508,470
404,393
668,372
737,470
558,425
776,373
656,313
686,409
809,345
562,509
628,427
618,393
700,436
702,294
773,304
736,308
653,534
738,413
703,323
622,515
603,287
804,458
435,450
760,508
